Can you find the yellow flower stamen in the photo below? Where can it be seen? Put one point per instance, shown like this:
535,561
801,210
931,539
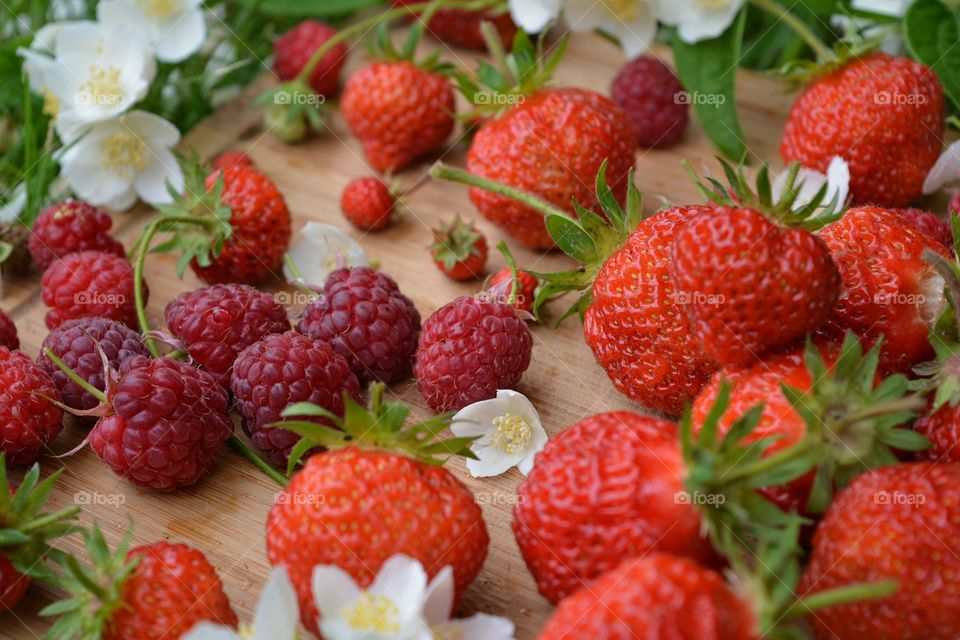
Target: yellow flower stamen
51,104
158,9
624,10
447,632
246,630
103,86
372,613
513,433
713,5
123,153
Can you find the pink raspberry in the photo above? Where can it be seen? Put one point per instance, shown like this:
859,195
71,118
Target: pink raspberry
468,350
279,370
8,332
89,284
362,314
28,420
930,224
650,93
68,227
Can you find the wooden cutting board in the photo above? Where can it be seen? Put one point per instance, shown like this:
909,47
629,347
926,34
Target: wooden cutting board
224,514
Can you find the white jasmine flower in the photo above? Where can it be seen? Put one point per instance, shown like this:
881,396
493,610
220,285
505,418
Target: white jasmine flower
811,181
632,22
322,249
99,73
40,58
175,29
120,159
277,616
698,20
533,16
945,170
436,613
510,433
16,201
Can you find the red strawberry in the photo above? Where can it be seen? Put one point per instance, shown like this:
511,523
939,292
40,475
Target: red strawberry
8,332
526,284
366,319
158,591
399,111
734,264
363,502
468,350
576,517
69,227
29,421
884,115
293,50
459,250
89,284
888,290
166,422
13,585
930,224
279,370
368,204
216,323
897,523
656,597
229,159
942,427
462,27
652,96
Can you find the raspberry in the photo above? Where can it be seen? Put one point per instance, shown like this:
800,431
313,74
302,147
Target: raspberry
648,91
8,332
79,343
170,421
229,159
368,204
930,224
459,250
90,284
468,350
526,287
68,227
293,50
364,317
282,369
462,27
28,421
218,322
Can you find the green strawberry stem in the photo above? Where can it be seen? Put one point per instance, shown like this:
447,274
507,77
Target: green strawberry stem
838,596
239,446
442,171
824,53
75,377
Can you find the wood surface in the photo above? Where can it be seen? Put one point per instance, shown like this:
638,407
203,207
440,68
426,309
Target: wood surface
224,513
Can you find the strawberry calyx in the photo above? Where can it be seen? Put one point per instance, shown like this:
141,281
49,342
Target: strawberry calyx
383,47
785,209
590,239
940,379
455,242
381,425
26,529
95,592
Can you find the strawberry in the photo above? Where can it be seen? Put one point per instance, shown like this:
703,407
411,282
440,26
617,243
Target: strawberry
293,50
459,250
158,591
461,27
228,159
638,334
746,256
655,597
574,521
550,143
526,287
368,204
887,289
899,523
378,491
883,114
398,109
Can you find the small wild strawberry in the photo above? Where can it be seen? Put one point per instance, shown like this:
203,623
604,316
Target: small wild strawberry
459,250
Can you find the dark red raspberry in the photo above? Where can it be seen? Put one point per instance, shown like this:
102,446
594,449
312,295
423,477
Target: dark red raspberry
8,332
368,204
169,422
468,350
526,287
229,159
79,343
218,322
279,370
90,284
462,27
68,227
930,224
653,97
362,314
293,50
28,421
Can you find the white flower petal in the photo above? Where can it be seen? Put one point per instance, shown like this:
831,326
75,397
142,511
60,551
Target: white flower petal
16,200
438,602
181,38
493,461
634,24
538,442
945,170
533,16
322,249
210,631
893,8
403,580
128,14
278,614
483,627
696,20
162,170
333,589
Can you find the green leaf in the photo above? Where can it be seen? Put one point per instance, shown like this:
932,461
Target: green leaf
707,70
932,31
905,439
572,239
313,8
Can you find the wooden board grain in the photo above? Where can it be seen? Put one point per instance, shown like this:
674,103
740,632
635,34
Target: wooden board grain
224,514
